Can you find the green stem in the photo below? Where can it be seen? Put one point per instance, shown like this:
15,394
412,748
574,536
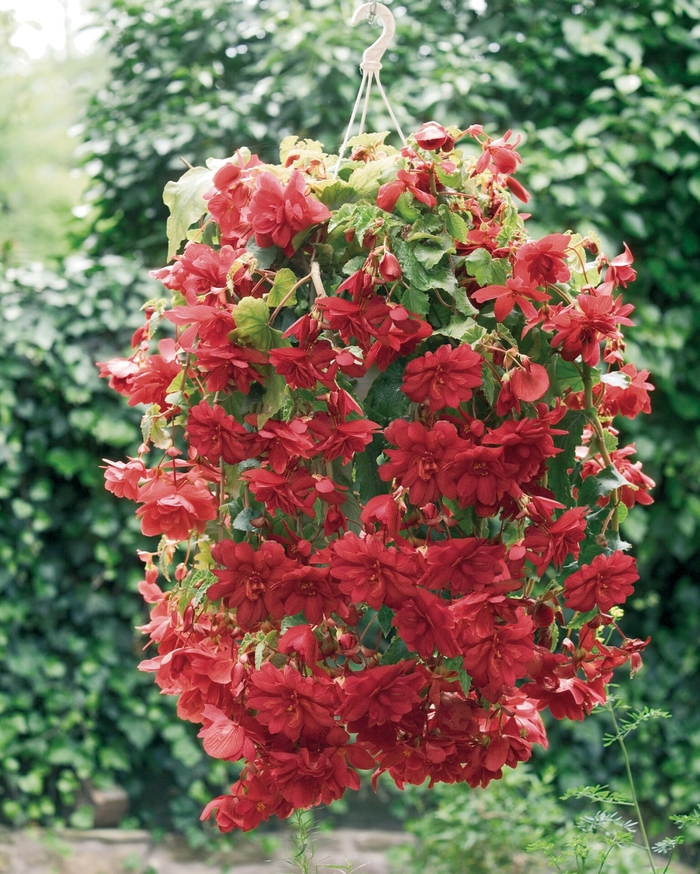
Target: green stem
630,780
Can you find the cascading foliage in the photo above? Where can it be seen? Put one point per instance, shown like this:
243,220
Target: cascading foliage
379,451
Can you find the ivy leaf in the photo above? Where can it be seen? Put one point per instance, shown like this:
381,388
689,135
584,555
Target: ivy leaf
485,269
285,280
185,200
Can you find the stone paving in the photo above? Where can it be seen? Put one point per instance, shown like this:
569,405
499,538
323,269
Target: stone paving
115,851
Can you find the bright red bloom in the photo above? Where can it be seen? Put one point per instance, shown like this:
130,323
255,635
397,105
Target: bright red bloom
387,511
150,384
215,435
229,366
284,443
302,367
581,328
288,492
370,572
605,582
553,542
278,213
389,267
627,400
527,443
544,262
619,272
499,658
529,382
422,462
464,564
385,693
308,590
121,373
249,579
347,438
210,323
482,478
291,704
501,154
443,378
425,625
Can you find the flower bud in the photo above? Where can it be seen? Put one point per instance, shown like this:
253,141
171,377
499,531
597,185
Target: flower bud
433,136
389,267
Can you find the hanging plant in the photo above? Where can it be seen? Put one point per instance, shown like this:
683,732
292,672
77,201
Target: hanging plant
379,452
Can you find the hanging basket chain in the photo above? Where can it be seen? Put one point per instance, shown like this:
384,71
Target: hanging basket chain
370,66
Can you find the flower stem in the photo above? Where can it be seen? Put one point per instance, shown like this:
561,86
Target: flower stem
633,791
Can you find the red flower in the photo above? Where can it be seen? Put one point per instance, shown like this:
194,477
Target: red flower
552,542
291,704
464,564
619,272
433,136
347,438
150,384
501,154
389,267
308,590
278,214
516,292
422,462
627,400
370,572
230,365
224,739
122,478
425,625
284,443
248,579
293,491
605,582
390,192
582,327
482,478
544,262
175,507
444,378
215,435
382,694
501,657
530,381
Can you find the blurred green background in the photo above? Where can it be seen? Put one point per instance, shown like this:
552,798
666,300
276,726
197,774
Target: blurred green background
607,99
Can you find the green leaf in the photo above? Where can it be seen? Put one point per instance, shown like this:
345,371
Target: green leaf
416,301
462,302
385,617
600,485
485,269
413,270
365,180
464,330
251,316
185,201
242,520
285,280
333,193
397,652
263,256
456,226
385,401
276,394
559,479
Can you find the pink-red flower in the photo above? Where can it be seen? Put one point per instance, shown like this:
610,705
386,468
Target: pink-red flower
278,213
544,262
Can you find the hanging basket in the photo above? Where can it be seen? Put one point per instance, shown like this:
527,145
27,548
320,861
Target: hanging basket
396,576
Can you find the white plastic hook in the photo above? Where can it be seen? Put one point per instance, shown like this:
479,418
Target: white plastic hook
372,58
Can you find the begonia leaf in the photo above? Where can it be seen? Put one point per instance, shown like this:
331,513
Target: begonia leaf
184,199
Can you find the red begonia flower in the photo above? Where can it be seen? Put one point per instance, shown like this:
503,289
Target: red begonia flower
443,378
605,582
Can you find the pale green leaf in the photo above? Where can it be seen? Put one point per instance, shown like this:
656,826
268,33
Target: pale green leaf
185,200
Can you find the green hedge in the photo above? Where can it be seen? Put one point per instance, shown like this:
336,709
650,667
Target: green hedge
73,706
